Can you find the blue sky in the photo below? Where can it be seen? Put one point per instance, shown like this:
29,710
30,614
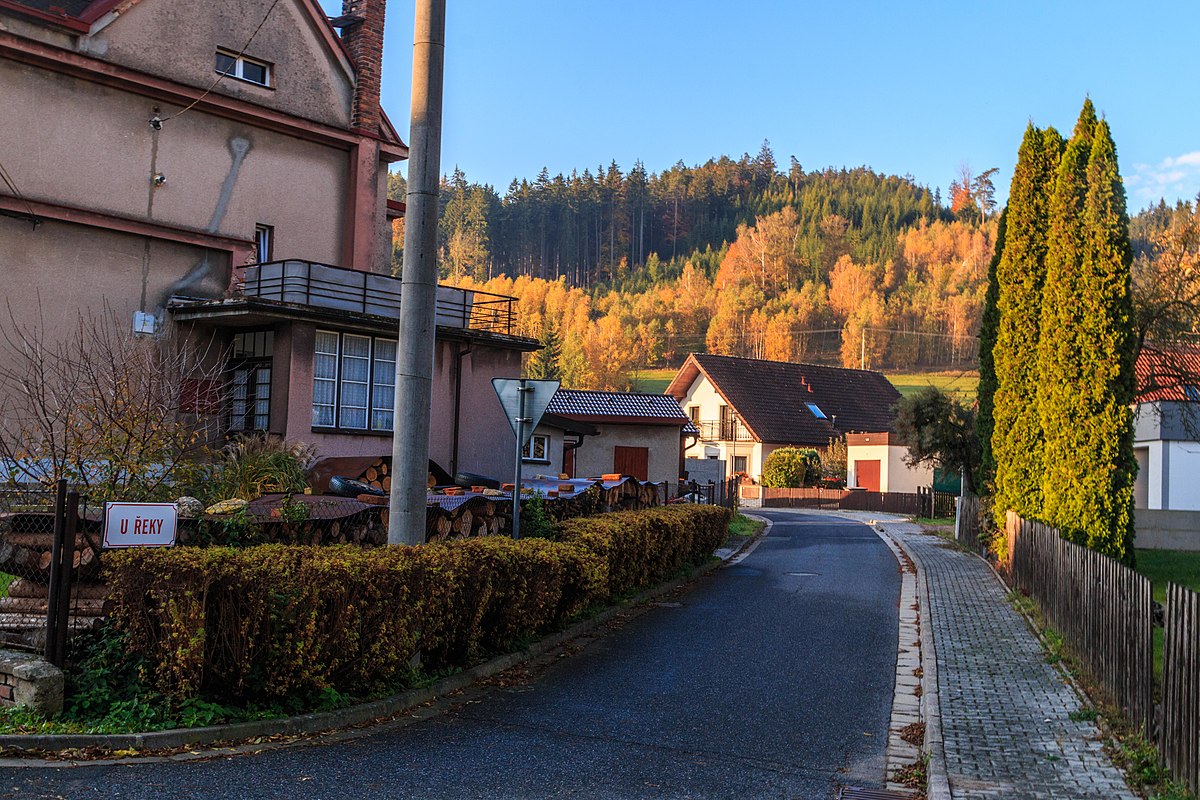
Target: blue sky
905,88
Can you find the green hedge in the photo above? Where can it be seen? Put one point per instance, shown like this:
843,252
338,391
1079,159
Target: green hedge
276,620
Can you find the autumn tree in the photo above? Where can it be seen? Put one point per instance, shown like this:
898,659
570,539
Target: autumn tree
938,430
1086,350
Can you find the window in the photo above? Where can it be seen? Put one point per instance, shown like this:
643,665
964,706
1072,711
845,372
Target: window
250,381
816,410
354,382
694,415
264,242
243,68
1192,393
537,449
739,463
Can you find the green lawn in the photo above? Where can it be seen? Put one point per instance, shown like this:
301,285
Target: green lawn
962,385
1161,566
654,381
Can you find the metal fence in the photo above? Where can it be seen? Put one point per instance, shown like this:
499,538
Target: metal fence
49,569
714,493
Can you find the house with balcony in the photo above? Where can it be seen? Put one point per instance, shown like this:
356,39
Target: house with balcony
219,170
313,357
744,408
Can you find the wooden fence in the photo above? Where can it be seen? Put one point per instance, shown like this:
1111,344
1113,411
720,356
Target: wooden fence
1179,727
923,503
968,530
1101,608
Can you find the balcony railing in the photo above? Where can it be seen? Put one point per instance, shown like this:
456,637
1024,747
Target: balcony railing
322,286
724,431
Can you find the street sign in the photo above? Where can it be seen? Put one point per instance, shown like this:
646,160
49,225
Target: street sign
139,524
524,403
538,395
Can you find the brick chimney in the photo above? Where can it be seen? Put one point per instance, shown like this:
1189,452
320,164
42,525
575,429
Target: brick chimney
362,33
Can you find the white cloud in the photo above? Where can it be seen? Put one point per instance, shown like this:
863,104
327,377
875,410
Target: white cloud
1173,178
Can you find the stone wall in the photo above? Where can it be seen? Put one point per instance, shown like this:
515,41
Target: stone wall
1167,530
31,681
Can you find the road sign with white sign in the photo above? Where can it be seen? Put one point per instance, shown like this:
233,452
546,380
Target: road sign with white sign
537,395
140,524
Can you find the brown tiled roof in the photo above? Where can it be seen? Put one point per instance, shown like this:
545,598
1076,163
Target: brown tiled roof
658,409
772,398
1168,374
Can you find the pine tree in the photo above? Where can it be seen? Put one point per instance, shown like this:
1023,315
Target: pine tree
988,326
1085,354
543,364
1016,439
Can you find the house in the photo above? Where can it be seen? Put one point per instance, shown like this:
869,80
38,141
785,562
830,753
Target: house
1167,430
875,462
745,408
220,170
588,434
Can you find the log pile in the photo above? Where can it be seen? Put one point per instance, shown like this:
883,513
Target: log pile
480,515
378,475
26,546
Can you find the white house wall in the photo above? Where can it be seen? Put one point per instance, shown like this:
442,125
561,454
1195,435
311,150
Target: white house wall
703,394
553,465
595,457
1181,476
894,474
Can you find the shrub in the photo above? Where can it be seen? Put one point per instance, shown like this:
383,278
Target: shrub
279,621
791,467
252,466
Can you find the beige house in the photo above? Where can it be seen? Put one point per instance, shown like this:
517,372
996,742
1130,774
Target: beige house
875,462
744,408
587,434
222,167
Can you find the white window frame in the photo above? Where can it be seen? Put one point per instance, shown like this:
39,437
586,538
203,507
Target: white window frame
531,447
379,380
238,69
264,242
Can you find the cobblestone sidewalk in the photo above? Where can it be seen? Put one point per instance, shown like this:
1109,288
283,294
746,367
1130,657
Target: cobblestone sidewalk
1005,712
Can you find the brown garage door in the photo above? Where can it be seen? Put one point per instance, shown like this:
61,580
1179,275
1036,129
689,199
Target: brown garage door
867,474
633,461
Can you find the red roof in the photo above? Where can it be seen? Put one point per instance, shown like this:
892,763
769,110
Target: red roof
1168,374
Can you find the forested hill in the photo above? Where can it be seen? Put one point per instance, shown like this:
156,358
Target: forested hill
617,227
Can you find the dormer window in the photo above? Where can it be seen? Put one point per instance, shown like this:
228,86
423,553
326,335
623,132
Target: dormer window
243,68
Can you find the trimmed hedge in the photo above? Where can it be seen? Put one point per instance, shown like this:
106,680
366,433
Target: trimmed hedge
274,621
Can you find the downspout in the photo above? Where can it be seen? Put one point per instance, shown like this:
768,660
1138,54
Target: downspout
569,446
458,357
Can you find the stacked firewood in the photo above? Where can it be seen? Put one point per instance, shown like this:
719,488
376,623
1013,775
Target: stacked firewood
378,475
478,516
26,546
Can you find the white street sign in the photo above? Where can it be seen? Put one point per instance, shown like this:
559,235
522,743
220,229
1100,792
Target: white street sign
139,524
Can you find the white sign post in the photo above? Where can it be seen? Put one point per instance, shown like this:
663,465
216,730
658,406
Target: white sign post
524,403
139,524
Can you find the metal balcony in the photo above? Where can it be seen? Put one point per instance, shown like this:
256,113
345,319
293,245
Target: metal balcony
724,431
308,283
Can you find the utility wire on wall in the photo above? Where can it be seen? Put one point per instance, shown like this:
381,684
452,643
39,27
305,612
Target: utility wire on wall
220,75
12,187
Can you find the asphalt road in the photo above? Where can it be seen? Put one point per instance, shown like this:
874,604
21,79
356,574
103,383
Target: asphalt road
769,678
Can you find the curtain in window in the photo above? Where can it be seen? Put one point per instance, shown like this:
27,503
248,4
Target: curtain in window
324,379
356,373
383,385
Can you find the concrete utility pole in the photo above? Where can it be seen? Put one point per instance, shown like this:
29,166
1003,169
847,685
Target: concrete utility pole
418,288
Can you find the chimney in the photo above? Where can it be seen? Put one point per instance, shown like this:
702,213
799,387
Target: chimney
362,33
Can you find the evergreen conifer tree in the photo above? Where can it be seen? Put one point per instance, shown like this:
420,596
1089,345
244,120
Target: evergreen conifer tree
1016,439
543,364
987,371
1085,355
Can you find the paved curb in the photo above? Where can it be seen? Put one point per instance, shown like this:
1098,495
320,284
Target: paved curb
937,779
332,721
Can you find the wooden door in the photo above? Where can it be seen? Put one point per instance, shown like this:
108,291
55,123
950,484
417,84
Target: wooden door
633,461
867,475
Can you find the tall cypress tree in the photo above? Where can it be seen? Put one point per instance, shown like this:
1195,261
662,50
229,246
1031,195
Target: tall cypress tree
988,327
1017,440
1085,356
